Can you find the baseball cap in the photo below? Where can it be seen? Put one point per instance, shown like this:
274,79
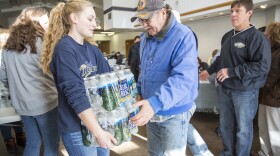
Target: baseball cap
146,8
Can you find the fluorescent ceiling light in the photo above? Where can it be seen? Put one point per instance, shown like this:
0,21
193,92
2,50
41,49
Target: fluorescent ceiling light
107,33
111,34
263,6
99,35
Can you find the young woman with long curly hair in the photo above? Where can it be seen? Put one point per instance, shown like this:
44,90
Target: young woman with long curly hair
33,93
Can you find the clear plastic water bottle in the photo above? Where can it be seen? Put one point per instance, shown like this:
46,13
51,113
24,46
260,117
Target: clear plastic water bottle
87,136
115,125
91,85
132,111
104,119
125,124
131,83
116,67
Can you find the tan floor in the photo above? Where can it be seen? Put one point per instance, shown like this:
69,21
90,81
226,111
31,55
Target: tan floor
205,123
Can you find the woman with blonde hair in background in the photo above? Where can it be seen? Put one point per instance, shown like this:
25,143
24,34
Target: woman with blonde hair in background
269,107
32,93
70,58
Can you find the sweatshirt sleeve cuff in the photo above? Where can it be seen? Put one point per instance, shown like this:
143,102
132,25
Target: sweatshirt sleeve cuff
231,72
83,105
155,103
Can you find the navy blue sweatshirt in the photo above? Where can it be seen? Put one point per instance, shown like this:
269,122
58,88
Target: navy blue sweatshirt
71,63
247,56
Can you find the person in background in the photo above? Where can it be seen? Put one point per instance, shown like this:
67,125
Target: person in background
202,65
168,82
10,142
269,101
133,59
210,59
212,78
240,76
33,94
112,55
119,57
70,59
213,81
105,55
214,55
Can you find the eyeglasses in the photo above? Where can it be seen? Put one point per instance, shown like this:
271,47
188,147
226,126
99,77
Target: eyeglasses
147,21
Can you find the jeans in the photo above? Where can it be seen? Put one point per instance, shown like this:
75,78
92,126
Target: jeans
6,130
195,143
168,138
237,111
41,127
73,143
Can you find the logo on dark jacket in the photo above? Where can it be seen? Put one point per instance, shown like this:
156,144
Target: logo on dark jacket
239,45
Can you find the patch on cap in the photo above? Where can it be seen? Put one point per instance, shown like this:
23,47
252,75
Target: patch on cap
141,5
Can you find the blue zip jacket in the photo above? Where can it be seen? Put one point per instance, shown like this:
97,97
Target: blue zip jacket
71,63
169,69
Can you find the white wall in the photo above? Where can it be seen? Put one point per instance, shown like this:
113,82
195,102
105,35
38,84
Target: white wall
118,40
277,13
101,38
211,31
188,5
270,15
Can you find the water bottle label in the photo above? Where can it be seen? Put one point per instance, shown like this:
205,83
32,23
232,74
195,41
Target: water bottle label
124,90
108,98
114,87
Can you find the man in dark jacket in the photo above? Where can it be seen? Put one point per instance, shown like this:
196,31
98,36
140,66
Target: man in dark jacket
134,58
241,69
119,57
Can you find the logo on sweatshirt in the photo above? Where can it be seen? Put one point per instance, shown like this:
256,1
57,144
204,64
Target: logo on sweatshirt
239,45
87,69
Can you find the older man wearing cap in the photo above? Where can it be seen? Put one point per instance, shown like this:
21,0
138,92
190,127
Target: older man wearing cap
168,83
